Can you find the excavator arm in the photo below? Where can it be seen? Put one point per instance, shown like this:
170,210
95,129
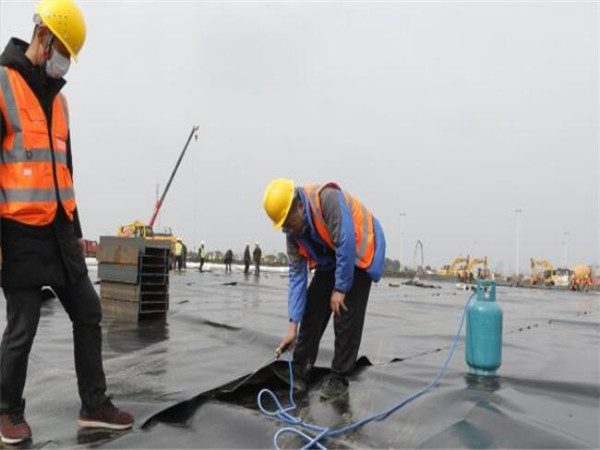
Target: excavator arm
541,271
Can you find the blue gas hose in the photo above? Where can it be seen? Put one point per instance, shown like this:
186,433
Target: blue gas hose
302,429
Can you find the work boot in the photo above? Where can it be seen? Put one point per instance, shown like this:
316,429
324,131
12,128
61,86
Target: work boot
335,387
107,416
13,428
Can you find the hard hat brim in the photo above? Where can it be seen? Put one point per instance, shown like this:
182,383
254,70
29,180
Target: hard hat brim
280,223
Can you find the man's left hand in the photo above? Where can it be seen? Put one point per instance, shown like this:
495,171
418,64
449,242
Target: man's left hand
337,303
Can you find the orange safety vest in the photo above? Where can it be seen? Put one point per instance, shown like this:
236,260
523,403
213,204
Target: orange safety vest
32,155
361,217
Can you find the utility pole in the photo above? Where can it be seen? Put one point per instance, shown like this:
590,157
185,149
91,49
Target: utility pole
518,216
565,243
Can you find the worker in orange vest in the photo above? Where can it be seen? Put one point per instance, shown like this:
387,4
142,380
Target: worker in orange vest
331,231
41,236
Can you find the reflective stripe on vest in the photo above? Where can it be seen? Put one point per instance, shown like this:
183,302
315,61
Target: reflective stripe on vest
361,217
20,155
31,156
12,117
34,195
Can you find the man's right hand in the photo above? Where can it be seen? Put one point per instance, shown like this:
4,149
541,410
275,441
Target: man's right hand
288,341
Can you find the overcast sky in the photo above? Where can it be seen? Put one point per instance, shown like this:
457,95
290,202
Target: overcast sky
454,114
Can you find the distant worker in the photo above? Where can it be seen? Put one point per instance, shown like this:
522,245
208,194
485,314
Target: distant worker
179,255
40,232
184,255
228,259
331,231
201,255
247,259
256,255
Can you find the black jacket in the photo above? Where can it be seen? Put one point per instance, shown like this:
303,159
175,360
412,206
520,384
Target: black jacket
50,254
256,254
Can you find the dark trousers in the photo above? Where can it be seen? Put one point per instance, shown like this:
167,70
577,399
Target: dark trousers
347,328
23,314
201,264
246,267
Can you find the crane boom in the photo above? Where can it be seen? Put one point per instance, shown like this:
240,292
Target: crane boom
159,202
419,246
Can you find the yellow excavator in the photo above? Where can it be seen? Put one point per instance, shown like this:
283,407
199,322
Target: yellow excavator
135,229
542,272
140,229
465,274
451,269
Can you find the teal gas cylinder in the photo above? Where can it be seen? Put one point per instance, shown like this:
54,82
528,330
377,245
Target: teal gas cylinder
483,349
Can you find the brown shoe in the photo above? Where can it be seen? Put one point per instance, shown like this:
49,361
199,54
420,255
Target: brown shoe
13,428
107,416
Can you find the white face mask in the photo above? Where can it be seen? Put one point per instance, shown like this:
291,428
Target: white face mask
57,66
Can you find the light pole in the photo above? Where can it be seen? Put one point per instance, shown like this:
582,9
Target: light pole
565,243
402,220
518,216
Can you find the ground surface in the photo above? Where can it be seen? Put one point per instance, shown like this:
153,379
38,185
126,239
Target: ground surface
547,393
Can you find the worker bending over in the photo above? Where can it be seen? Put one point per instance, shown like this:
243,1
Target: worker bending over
331,231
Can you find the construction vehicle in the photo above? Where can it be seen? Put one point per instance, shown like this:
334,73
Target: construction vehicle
451,270
465,274
542,273
581,278
140,229
562,277
135,229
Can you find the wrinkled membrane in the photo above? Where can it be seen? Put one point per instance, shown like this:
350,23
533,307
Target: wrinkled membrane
191,381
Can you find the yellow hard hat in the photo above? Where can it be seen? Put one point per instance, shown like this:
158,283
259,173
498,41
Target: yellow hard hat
278,198
65,20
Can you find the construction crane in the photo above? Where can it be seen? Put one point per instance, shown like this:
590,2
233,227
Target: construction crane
420,267
159,202
140,229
